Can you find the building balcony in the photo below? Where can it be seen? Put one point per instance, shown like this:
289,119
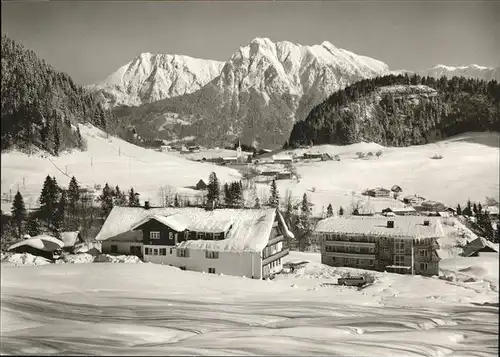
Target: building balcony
349,255
349,244
275,256
275,240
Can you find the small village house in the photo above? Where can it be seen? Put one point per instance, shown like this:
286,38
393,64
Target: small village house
241,242
283,159
479,245
284,175
413,200
194,149
378,192
400,211
492,212
308,155
397,244
396,189
42,245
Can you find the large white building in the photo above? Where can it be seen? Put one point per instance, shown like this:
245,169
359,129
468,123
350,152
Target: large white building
241,242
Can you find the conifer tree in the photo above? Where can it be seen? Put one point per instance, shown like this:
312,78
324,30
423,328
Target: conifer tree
176,201
213,188
73,195
18,212
288,209
33,227
60,214
329,210
474,209
467,211
106,199
274,198
133,198
257,203
341,211
49,199
227,195
459,210
304,223
120,199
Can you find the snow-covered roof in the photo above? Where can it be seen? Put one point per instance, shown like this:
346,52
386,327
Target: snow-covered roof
404,226
69,238
477,244
42,242
492,209
401,209
247,229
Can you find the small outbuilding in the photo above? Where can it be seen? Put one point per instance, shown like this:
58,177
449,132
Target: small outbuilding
70,239
42,245
396,189
479,245
201,185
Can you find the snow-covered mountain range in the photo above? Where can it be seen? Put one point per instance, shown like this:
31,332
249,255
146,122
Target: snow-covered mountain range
261,91
470,71
152,77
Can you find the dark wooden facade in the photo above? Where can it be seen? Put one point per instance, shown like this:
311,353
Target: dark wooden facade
168,235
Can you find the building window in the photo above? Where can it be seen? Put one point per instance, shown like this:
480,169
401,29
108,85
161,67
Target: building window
170,235
356,249
371,261
423,252
186,235
199,235
171,250
154,235
163,251
399,260
423,266
400,247
114,248
146,251
183,253
155,251
371,249
211,270
211,254
216,236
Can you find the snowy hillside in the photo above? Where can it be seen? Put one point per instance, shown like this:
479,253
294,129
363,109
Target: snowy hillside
469,169
106,160
262,90
151,77
471,71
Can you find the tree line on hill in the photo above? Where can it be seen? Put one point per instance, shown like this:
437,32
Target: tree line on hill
401,117
65,209
481,224
41,107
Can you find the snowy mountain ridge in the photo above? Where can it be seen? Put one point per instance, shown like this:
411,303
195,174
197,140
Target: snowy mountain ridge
152,77
262,90
470,71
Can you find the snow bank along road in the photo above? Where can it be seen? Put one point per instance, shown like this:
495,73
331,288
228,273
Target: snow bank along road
152,309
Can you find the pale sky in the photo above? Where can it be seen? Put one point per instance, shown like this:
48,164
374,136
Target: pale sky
90,40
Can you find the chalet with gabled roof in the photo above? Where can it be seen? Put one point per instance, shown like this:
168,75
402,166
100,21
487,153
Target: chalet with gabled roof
241,242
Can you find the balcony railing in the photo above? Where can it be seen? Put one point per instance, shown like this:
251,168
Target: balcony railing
275,240
350,244
275,256
350,255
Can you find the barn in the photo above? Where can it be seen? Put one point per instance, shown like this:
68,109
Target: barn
240,242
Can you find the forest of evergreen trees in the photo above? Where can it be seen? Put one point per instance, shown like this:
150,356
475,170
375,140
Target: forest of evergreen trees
460,105
40,104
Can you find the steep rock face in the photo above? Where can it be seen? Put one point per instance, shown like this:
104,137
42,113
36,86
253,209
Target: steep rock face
472,71
149,78
262,90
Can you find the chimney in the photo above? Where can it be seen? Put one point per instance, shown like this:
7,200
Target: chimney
427,223
146,205
390,224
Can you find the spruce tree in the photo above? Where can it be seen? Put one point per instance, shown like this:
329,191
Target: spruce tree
341,211
106,199
474,209
329,210
213,188
288,209
133,198
304,224
33,227
257,203
120,199
274,199
73,195
49,199
60,214
227,195
176,201
459,210
18,212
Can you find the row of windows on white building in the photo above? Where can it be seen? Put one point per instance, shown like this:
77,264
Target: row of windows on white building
155,235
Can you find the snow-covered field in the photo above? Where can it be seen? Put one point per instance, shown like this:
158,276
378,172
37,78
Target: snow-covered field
147,309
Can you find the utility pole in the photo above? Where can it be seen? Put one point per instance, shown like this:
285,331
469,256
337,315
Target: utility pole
91,161
412,258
